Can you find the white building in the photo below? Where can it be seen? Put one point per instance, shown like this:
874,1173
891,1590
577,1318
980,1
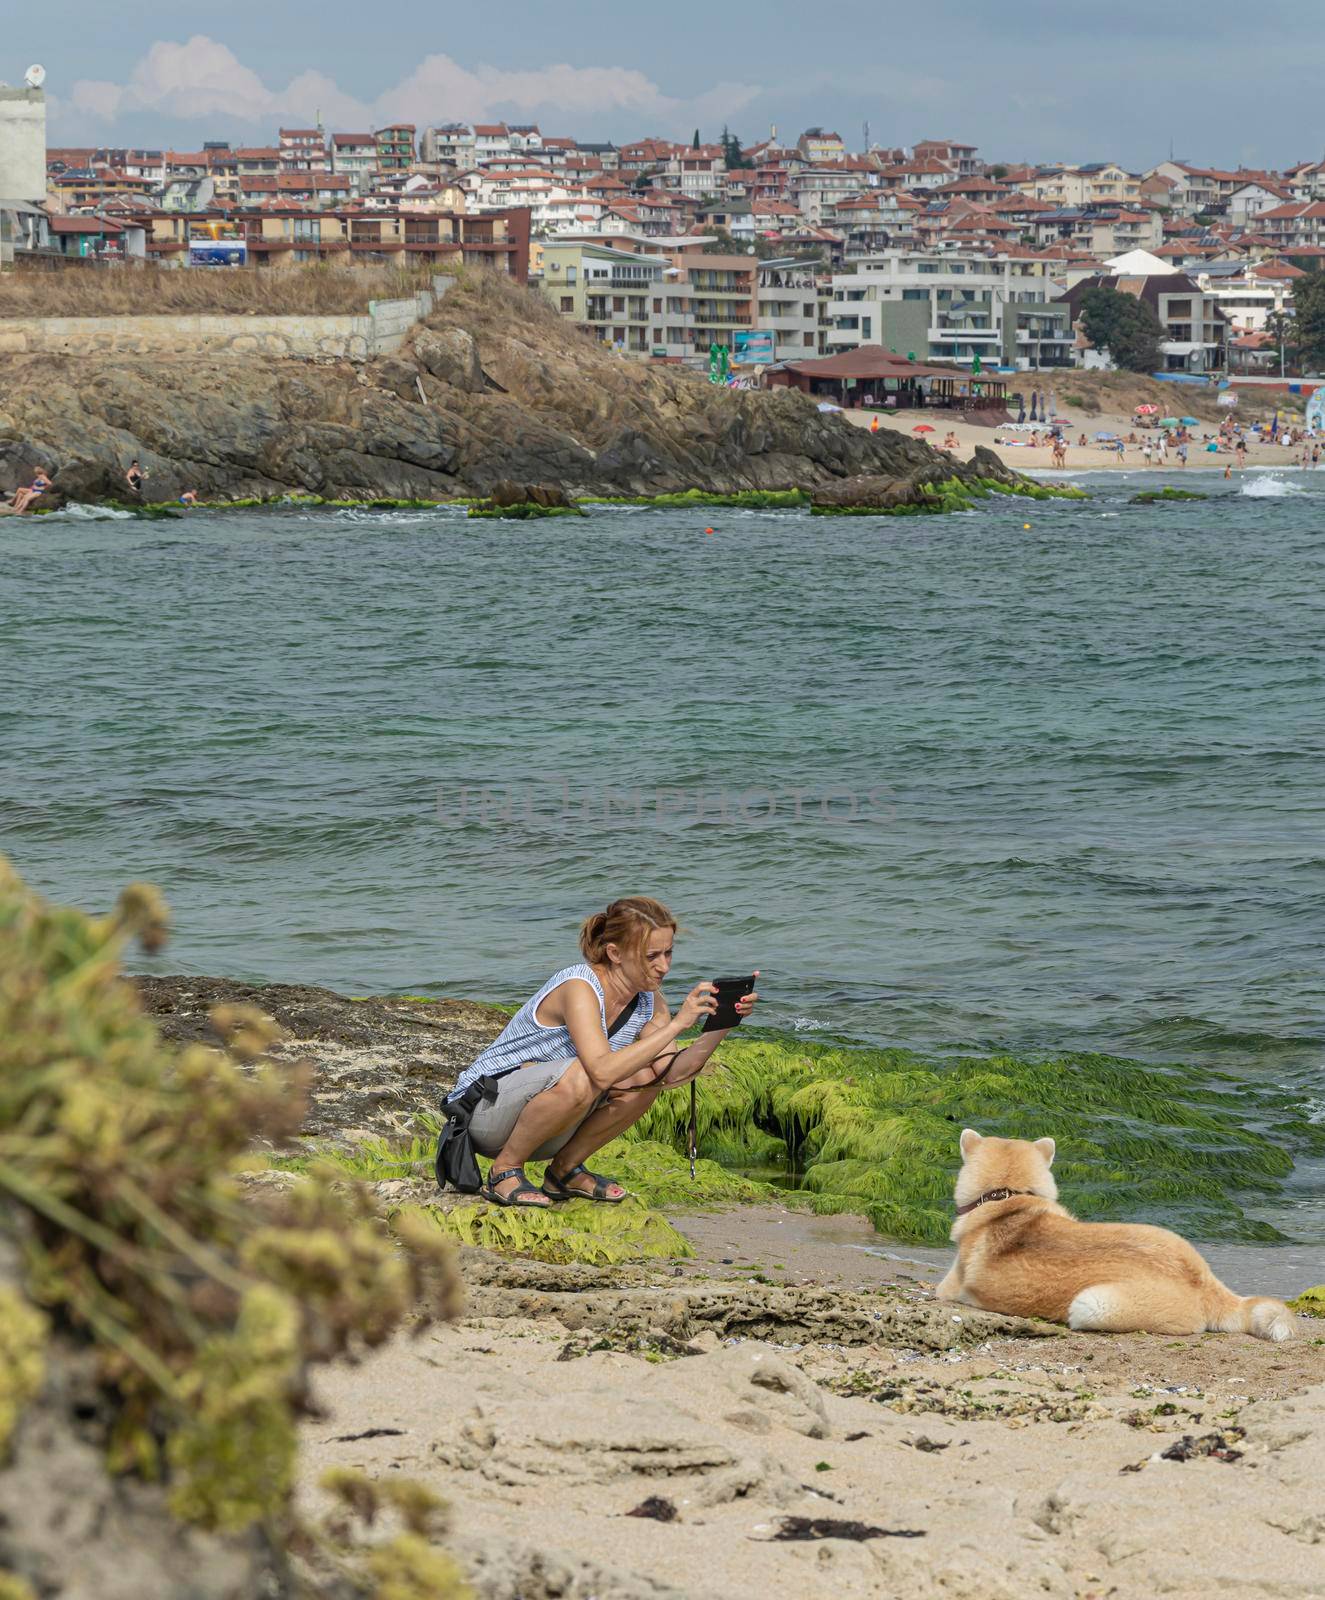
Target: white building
948,305
788,307
22,171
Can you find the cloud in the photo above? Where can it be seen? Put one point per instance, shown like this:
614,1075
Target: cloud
204,80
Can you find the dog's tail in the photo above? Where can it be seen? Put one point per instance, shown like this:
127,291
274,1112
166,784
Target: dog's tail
1256,1314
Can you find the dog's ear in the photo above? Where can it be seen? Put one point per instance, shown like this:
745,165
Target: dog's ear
969,1140
1046,1147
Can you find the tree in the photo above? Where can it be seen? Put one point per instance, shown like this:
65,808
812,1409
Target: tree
732,153
1281,329
1309,320
1123,325
694,143
998,171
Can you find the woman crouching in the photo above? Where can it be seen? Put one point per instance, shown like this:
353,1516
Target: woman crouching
584,1058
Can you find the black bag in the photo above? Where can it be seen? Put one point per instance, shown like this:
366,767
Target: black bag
455,1162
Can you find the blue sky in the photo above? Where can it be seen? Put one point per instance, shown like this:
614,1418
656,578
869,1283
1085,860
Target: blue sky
1225,83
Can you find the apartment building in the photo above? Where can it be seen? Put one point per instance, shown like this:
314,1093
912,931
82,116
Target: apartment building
787,306
1293,225
963,159
1248,295
608,292
950,306
302,149
694,174
281,236
1196,329
453,144
354,156
704,300
395,147
817,145
1093,183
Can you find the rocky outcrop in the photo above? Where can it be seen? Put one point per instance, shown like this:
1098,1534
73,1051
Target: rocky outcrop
919,486
495,387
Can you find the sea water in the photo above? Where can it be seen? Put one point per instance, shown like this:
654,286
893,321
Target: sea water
951,782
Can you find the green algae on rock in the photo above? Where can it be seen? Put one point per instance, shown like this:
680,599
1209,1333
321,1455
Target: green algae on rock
597,1235
1150,497
875,1131
1311,1302
750,499
655,1175
524,510
934,498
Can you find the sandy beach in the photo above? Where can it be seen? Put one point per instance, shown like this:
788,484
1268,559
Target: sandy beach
783,1413
1091,457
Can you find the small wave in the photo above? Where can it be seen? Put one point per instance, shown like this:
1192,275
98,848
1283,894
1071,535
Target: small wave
809,1025
81,513
1271,488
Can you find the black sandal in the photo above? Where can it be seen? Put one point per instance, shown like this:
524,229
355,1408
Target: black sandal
489,1192
559,1190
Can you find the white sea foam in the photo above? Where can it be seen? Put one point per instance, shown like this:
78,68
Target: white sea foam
1270,488
81,513
808,1024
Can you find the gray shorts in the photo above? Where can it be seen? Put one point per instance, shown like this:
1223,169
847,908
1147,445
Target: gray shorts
490,1126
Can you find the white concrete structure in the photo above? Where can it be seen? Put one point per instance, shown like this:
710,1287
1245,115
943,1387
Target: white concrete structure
22,144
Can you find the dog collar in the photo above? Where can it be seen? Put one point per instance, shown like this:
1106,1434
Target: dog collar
991,1195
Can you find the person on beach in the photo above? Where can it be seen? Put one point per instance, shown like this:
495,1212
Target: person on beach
23,496
585,1058
1241,454
189,497
134,476
1146,451
1182,454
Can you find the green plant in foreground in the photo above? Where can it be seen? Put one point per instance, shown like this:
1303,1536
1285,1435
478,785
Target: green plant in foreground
118,1195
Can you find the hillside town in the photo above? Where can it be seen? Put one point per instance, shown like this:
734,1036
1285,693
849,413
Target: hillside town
751,255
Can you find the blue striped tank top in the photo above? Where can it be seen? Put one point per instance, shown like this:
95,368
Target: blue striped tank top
523,1039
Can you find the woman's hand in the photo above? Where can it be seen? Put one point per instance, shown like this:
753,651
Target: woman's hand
746,1004
702,1001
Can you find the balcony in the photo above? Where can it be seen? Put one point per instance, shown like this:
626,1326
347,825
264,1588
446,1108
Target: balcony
989,336
719,319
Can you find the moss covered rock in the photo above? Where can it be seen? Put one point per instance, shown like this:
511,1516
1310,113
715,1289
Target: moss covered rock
875,1131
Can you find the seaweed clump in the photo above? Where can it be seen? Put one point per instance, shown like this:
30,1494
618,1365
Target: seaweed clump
875,1131
934,498
749,499
655,1174
129,1258
1150,497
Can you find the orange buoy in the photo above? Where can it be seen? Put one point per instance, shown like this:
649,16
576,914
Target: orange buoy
708,530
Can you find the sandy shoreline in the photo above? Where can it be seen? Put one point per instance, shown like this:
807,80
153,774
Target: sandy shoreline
1092,457
744,1391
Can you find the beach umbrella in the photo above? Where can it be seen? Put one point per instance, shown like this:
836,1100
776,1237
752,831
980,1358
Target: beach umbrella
1168,422
922,427
1146,411
1106,435
1191,422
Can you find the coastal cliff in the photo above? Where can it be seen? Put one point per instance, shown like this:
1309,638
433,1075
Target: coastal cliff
493,387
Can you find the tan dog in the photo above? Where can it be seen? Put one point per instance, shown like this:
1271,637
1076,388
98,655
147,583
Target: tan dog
1020,1252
